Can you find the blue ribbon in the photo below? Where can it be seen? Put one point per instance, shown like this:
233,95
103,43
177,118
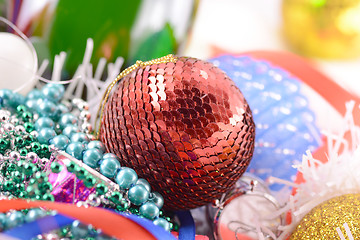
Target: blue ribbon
187,225
40,226
157,231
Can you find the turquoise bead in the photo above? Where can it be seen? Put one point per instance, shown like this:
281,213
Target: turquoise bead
138,194
34,94
109,167
44,122
47,109
45,135
69,130
161,222
2,221
126,177
79,230
53,92
79,137
109,155
34,214
7,97
149,210
17,100
145,183
31,104
157,199
96,144
92,157
60,141
62,108
16,218
66,119
75,149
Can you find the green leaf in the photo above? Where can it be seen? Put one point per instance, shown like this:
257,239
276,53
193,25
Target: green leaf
157,45
108,23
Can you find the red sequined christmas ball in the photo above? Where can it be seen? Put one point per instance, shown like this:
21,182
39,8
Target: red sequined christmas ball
184,126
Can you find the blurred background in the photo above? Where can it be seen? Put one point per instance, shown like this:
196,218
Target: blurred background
325,31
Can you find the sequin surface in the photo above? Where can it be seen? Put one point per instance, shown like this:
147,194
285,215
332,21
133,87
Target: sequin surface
183,126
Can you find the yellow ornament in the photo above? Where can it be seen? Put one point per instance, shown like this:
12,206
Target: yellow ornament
321,222
323,28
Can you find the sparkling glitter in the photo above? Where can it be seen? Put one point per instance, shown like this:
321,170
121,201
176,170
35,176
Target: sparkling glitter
321,222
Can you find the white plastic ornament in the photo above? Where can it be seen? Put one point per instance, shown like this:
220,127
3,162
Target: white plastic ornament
18,63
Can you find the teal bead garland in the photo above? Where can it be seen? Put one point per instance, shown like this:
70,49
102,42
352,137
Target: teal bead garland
126,177
91,157
109,167
149,210
75,149
138,194
14,219
74,138
60,142
44,122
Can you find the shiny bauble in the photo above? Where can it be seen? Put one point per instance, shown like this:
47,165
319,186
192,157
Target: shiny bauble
323,28
183,126
321,222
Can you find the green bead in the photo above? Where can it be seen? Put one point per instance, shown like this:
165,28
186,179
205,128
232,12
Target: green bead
48,197
26,116
32,181
17,176
32,191
56,167
19,142
8,185
71,167
28,139
29,127
89,181
123,206
44,151
41,177
101,189
134,211
45,187
149,210
138,194
23,151
21,109
116,197
11,167
29,169
81,173
4,144
35,147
